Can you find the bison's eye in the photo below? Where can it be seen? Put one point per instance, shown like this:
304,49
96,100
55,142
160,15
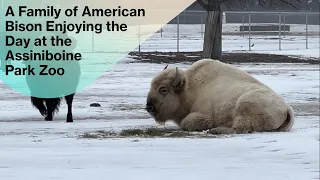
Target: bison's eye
163,90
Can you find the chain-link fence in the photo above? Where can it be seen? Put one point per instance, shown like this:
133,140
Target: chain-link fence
242,31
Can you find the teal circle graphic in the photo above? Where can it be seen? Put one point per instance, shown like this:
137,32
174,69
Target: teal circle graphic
35,63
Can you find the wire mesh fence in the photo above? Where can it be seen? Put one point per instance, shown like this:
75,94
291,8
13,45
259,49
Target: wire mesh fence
244,32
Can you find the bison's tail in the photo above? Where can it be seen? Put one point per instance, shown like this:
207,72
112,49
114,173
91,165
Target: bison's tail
288,123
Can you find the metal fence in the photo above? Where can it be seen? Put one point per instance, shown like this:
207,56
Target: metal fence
243,30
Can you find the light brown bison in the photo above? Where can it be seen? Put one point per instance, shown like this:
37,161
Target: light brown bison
218,97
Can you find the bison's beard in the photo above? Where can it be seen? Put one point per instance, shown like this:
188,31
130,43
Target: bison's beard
161,122
159,119
159,114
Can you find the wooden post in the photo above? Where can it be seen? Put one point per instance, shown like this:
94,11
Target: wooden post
212,47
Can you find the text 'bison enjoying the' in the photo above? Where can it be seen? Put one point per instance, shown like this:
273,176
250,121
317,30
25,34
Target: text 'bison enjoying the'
218,97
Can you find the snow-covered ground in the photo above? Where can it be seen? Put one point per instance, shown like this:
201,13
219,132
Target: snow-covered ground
33,149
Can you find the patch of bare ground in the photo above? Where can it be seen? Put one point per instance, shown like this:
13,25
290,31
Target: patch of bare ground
151,132
190,57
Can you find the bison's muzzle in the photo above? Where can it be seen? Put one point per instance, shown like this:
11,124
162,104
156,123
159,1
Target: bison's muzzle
151,109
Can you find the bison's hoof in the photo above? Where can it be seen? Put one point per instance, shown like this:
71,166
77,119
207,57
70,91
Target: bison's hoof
221,130
48,119
69,118
214,131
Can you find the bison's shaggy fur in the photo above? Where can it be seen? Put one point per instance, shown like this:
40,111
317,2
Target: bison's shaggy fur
218,97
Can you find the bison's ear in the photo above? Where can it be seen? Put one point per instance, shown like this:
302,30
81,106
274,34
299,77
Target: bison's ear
178,82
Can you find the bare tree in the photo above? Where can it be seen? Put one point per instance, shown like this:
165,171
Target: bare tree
213,30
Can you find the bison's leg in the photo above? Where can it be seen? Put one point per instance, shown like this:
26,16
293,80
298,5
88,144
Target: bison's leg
69,100
259,111
196,122
241,125
222,130
52,105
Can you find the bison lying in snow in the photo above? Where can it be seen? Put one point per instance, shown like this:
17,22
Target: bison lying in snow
218,97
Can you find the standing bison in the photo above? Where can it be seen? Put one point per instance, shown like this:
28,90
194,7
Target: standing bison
49,106
218,97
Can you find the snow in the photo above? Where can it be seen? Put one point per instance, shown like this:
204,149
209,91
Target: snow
31,148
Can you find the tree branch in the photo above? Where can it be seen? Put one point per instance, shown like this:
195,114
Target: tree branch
210,5
248,4
288,3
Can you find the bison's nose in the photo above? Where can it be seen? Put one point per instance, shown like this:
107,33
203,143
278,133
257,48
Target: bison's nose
150,108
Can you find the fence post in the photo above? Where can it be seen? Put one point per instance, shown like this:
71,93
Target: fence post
284,25
242,32
279,31
178,33
307,31
139,38
201,26
249,31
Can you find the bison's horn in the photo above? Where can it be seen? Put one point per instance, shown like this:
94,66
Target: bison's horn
177,79
165,67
